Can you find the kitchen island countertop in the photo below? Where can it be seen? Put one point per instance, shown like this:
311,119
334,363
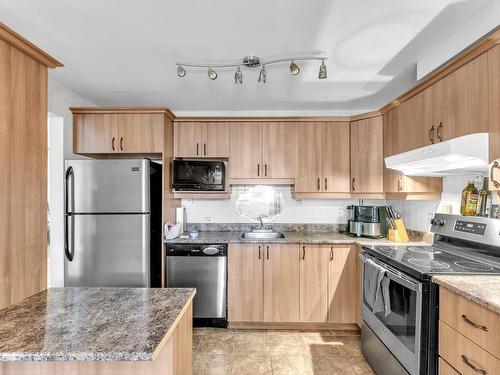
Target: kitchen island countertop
91,324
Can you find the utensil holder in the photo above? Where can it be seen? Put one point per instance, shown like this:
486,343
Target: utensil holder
399,234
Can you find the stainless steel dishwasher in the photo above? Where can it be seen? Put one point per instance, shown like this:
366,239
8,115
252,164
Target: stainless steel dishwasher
204,267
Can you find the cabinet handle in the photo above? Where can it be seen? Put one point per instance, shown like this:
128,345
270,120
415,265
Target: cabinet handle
265,170
259,252
431,134
476,369
303,252
318,185
352,184
205,149
326,184
331,253
121,143
113,143
495,182
258,170
400,185
475,325
267,251
438,133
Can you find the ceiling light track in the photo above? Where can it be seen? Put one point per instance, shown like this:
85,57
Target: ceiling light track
252,61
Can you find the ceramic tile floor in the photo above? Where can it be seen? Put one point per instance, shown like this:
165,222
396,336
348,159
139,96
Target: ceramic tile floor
242,352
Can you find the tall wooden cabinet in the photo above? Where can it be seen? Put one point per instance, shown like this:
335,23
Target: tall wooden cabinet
322,157
23,167
201,139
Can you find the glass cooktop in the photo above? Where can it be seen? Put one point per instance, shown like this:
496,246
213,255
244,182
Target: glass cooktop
429,260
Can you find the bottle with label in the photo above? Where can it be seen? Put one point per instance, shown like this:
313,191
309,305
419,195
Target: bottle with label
470,195
484,200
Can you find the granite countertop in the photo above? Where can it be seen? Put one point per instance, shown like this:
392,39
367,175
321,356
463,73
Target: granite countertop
484,290
91,324
319,237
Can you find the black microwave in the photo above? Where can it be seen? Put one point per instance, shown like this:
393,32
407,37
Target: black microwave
198,175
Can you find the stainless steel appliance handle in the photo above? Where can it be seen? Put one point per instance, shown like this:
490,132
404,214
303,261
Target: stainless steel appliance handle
69,254
398,278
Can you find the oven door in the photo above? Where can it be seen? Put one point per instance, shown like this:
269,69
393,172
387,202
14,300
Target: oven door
198,175
400,330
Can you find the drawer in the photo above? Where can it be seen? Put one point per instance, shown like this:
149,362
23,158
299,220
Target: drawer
475,322
446,369
465,356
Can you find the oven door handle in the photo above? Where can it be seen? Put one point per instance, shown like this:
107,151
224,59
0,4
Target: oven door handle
415,286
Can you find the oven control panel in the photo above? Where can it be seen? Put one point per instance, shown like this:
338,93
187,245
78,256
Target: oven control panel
470,227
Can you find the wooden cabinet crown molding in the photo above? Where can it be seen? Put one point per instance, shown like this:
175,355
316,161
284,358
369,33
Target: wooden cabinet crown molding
149,110
13,38
263,119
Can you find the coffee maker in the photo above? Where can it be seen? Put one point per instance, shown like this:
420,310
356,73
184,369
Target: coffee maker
367,221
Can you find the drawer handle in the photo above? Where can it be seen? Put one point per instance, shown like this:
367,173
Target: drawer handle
476,369
475,325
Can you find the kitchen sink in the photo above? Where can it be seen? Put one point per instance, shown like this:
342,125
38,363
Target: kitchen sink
262,234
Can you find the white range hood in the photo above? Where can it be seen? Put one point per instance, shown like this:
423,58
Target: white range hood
462,155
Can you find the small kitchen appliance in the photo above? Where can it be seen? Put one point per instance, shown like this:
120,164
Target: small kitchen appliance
367,221
199,175
404,340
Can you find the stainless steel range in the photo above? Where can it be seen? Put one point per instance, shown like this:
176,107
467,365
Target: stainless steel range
400,335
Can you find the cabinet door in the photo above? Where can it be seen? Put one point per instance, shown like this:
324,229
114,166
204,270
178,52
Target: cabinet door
187,139
281,283
95,133
308,156
359,285
277,149
462,100
215,140
314,283
392,178
494,102
342,284
336,161
421,118
367,156
245,146
245,278
140,133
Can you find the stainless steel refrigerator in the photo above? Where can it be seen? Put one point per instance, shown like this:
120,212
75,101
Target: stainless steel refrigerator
113,223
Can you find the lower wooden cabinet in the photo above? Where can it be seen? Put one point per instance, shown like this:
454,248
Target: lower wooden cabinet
291,283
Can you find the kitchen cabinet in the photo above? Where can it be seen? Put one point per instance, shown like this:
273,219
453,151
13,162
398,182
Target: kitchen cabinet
118,131
359,285
281,283
322,157
314,283
342,284
201,139
261,150
494,102
367,155
245,284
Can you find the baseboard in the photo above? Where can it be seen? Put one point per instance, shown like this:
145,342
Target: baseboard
299,326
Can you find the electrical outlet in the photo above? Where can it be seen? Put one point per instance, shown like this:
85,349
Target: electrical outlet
340,211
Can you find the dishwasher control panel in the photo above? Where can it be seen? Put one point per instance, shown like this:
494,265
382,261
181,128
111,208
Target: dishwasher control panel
197,250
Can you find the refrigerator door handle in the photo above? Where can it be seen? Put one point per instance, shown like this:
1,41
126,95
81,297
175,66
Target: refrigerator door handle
69,254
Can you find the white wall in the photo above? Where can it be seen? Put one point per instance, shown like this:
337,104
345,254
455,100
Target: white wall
307,211
460,37
60,98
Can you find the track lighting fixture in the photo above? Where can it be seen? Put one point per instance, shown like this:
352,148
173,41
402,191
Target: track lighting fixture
181,72
212,74
252,62
322,70
263,75
294,68
238,76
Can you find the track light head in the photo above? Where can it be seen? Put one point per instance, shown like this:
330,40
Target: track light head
263,75
322,71
212,74
181,72
238,76
294,68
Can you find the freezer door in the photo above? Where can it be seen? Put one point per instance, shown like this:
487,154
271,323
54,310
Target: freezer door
108,251
108,186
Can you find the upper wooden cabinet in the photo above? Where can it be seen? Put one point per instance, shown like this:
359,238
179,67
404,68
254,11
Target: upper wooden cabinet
322,157
124,131
261,150
494,102
201,139
367,156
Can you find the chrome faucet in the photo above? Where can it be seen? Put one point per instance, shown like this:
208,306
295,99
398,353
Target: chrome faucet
261,223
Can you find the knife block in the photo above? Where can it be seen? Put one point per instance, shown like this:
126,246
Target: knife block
399,234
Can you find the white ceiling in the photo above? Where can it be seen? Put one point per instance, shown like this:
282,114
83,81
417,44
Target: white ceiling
123,52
